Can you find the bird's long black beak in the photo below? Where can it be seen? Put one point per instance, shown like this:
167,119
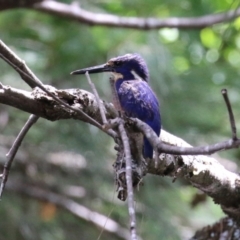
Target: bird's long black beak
95,69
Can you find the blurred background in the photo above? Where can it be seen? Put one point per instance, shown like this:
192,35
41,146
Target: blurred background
69,162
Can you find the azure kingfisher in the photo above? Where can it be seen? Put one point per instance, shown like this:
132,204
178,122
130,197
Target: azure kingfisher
136,98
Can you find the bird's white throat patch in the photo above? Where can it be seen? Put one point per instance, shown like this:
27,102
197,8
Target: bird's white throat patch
117,76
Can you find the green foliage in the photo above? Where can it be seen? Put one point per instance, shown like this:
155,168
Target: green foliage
188,70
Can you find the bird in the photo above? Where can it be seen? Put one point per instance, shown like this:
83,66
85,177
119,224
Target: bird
137,100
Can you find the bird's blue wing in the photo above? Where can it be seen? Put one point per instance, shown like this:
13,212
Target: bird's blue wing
138,100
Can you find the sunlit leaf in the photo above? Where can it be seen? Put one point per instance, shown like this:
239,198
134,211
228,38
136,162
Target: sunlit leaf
209,38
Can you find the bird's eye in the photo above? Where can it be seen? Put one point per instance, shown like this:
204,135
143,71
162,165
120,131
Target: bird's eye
117,63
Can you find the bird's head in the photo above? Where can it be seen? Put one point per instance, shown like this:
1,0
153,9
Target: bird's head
126,67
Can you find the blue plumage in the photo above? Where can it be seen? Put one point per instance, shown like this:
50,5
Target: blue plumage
138,100
135,95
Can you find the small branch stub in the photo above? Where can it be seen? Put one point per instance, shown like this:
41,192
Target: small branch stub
230,114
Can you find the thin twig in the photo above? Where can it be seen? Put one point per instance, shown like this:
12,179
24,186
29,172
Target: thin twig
12,152
19,65
166,148
128,162
115,96
99,102
101,107
230,114
127,153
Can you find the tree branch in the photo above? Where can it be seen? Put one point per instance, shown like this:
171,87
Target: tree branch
12,152
42,105
8,4
203,172
28,76
162,147
39,103
19,65
225,229
76,13
99,102
128,160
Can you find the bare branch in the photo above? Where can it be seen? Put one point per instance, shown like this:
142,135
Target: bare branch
162,147
8,4
99,102
11,58
203,172
76,13
224,229
115,96
101,107
128,159
12,152
40,104
19,65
